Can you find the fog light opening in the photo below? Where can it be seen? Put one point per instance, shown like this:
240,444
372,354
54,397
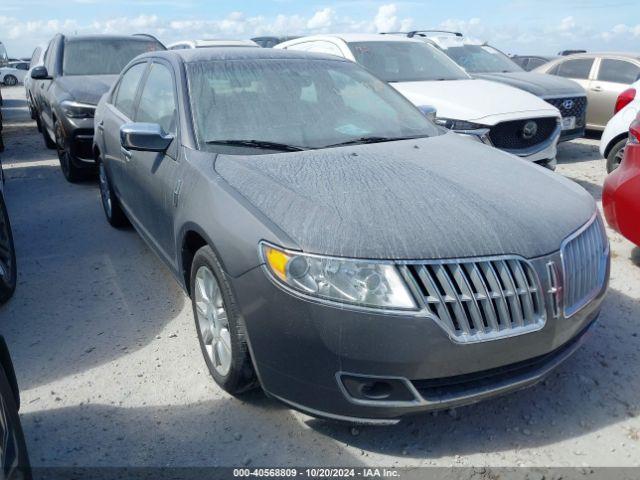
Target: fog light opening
376,390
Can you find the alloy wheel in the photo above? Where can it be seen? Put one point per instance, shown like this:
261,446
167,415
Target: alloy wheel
618,158
213,320
62,151
10,80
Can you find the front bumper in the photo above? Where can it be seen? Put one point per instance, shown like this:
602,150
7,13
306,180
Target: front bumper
544,153
313,356
79,134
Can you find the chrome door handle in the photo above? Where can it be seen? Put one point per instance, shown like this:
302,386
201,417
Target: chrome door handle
125,153
596,89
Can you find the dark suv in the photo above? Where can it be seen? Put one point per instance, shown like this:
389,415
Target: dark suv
77,71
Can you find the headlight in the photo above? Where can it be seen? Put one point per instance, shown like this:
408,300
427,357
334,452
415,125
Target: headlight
73,109
452,124
357,282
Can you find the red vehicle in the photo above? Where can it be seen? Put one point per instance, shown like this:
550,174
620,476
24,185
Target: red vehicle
621,194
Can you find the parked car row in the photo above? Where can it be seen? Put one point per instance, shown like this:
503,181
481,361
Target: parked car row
313,197
14,459
65,90
483,61
373,219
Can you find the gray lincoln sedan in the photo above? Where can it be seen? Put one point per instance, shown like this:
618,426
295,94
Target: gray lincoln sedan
341,251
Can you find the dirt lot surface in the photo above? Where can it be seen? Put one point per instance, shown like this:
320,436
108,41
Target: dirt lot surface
106,354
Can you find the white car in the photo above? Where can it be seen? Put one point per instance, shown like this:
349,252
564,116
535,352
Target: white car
14,73
499,115
616,133
186,44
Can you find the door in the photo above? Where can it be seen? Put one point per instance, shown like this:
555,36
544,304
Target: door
613,76
578,70
118,111
42,86
154,176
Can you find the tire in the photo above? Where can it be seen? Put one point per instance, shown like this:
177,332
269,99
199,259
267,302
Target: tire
110,203
14,454
48,141
10,80
72,173
32,111
615,155
8,270
240,376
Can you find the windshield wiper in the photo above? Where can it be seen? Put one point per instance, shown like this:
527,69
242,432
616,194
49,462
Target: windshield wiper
363,140
263,144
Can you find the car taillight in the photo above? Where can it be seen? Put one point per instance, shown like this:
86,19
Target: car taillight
624,99
634,130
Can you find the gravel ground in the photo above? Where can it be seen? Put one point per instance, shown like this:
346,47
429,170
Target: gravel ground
111,374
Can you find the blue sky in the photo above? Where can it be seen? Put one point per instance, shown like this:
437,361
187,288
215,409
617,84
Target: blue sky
515,26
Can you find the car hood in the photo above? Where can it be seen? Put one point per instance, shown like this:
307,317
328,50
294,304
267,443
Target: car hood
86,88
439,197
474,100
539,84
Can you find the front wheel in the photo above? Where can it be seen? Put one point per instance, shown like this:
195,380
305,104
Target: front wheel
13,453
10,80
220,330
69,170
8,271
110,203
616,155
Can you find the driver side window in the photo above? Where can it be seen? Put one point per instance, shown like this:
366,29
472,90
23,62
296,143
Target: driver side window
158,101
126,93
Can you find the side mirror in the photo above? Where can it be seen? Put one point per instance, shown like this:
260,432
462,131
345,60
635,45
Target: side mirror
40,73
428,111
148,137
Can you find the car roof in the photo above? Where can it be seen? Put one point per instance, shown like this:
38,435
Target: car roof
193,55
79,38
201,43
635,56
356,37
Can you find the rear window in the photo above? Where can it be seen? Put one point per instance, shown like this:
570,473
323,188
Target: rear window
103,56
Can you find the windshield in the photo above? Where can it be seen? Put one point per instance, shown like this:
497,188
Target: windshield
406,61
482,59
103,56
298,103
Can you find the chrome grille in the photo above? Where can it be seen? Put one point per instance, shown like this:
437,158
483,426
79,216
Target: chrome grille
480,299
584,261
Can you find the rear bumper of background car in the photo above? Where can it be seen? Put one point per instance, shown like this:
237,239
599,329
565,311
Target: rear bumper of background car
331,362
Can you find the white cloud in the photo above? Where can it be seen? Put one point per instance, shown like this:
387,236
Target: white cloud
512,37
321,19
386,20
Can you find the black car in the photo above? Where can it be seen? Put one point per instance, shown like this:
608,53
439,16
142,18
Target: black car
7,252
76,72
14,459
